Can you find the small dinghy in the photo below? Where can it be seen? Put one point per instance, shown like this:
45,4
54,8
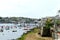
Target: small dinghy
1,30
14,31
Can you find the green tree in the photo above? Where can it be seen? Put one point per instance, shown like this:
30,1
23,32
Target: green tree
49,23
0,17
57,22
46,29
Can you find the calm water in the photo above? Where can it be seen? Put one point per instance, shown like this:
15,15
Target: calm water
8,34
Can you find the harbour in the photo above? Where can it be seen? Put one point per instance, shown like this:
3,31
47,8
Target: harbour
12,31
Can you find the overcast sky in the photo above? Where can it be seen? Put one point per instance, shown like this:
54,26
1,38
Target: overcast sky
29,8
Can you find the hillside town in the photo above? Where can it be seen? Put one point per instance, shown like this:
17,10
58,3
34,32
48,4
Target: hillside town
13,24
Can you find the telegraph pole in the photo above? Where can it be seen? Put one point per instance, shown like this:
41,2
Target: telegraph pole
58,12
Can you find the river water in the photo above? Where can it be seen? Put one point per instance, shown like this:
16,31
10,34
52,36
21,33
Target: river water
8,34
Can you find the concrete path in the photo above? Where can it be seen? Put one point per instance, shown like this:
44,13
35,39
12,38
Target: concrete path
58,34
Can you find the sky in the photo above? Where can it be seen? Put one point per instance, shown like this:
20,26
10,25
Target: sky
29,8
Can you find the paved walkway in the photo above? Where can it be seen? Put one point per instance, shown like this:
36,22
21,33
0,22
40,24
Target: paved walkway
58,36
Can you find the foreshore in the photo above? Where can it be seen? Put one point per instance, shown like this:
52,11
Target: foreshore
24,34
33,35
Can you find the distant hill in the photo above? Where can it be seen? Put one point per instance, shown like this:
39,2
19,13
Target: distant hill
17,19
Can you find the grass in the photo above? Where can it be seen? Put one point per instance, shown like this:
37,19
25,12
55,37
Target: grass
33,35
